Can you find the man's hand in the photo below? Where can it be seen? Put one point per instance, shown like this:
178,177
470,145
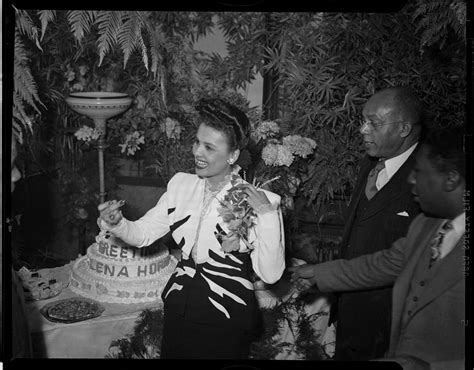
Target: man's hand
302,276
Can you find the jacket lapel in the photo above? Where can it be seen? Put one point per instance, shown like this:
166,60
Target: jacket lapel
359,189
391,190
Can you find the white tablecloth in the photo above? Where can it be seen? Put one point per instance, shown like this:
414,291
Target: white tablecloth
92,338
84,339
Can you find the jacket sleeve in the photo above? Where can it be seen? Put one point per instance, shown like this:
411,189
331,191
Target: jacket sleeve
368,271
150,227
268,255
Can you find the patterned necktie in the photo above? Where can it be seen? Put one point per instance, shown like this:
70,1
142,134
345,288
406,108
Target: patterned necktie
370,188
437,241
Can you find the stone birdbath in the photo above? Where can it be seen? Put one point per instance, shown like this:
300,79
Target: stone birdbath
99,106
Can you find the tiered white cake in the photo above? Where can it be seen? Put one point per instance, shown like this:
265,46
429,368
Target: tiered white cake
114,272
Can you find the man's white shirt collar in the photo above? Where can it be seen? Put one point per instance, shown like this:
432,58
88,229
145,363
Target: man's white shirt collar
392,165
459,223
452,238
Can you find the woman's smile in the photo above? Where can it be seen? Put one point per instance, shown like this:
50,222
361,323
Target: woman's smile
200,163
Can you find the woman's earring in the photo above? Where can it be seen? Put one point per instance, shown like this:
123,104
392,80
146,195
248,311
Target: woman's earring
230,162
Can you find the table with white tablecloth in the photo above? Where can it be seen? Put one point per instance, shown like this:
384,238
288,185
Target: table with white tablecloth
92,338
83,339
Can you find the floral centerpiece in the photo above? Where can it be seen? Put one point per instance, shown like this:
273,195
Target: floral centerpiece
284,156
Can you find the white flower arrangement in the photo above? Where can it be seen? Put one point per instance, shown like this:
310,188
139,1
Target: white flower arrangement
266,130
277,155
298,145
87,134
282,152
172,128
132,142
76,78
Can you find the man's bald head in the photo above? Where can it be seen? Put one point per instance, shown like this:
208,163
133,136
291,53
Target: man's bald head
405,105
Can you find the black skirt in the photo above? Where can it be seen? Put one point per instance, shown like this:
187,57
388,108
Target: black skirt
194,329
183,339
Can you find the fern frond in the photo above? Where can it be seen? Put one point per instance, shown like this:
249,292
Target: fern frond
25,26
25,86
109,25
129,34
19,49
433,18
81,22
144,52
23,81
20,114
17,131
45,17
156,40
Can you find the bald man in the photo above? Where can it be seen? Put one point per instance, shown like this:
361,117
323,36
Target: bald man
380,211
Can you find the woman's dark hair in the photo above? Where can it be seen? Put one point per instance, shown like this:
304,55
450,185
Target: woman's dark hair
227,118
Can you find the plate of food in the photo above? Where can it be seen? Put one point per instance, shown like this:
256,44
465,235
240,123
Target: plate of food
72,310
40,285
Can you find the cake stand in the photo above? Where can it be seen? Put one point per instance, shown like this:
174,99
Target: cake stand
99,106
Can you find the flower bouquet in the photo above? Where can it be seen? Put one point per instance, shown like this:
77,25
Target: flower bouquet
237,213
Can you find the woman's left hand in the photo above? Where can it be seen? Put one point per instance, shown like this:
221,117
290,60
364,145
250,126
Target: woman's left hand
256,198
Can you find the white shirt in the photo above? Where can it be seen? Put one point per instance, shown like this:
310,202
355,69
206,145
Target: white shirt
392,165
451,238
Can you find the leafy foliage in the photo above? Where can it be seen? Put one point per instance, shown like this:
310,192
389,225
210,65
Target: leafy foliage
291,312
436,19
145,340
25,95
330,64
129,31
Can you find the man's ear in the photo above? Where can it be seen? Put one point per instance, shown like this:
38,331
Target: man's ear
452,181
406,129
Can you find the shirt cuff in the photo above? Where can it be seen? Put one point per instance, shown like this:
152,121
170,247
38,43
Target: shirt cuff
106,227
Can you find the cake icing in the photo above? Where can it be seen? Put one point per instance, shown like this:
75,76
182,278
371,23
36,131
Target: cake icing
114,272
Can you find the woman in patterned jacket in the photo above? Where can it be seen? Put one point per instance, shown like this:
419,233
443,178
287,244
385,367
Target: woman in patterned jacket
210,309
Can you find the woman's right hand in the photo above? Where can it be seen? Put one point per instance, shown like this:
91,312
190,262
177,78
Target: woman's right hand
110,212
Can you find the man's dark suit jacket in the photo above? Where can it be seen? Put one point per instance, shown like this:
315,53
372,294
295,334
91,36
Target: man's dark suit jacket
363,317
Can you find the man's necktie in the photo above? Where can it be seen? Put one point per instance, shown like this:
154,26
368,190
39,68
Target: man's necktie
437,242
370,188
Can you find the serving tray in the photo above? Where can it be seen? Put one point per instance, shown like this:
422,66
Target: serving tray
72,310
